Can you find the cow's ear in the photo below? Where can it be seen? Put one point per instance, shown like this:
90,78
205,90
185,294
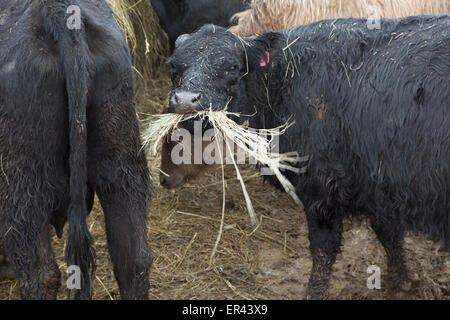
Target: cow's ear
181,39
265,49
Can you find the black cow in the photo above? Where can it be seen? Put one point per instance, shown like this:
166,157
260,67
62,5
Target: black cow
68,129
371,111
185,16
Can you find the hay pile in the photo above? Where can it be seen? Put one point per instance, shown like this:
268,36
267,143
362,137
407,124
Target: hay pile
143,34
149,47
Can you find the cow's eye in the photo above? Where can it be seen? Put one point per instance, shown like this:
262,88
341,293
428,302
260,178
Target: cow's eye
235,67
232,81
175,77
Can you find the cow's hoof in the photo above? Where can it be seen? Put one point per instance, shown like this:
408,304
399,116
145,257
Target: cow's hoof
312,294
444,248
403,286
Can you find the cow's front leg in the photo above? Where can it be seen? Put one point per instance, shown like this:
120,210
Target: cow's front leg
391,237
325,235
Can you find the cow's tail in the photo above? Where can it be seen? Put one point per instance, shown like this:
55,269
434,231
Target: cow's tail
61,20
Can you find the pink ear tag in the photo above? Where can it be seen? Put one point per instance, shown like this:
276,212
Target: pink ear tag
262,62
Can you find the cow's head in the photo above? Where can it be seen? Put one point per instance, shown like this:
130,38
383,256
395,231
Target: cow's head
209,68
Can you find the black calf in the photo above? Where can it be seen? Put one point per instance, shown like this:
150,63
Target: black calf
371,111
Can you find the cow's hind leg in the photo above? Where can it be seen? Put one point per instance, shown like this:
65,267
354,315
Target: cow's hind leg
124,193
34,263
127,242
118,173
325,234
120,177
392,240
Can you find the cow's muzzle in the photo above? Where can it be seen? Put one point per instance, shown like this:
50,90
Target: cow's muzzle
185,102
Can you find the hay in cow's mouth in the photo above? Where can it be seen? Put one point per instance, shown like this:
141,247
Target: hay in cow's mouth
253,142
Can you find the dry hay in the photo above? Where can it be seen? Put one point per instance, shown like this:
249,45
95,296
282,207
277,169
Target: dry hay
142,31
149,47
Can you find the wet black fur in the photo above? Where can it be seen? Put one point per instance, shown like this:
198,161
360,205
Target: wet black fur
184,16
371,109
68,129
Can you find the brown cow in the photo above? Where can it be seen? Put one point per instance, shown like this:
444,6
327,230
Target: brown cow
273,15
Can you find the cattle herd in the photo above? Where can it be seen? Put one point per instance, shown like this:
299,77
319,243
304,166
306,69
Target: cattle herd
370,105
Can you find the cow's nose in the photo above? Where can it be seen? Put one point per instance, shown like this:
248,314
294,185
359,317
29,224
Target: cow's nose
185,97
186,102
